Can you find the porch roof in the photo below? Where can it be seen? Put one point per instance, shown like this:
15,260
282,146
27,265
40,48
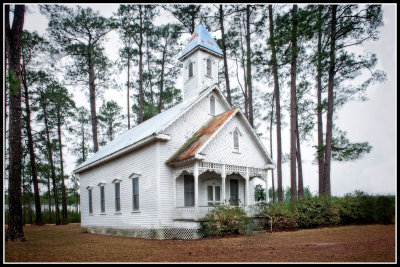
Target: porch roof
192,146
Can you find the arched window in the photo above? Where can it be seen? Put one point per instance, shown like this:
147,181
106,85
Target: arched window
212,105
208,67
236,140
190,69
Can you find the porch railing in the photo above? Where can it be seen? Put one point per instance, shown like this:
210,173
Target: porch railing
189,213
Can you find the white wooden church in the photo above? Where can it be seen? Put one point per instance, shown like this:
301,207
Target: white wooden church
159,178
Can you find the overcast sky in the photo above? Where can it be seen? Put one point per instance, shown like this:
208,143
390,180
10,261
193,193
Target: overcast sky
374,121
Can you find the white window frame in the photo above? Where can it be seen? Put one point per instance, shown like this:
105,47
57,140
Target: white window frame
115,182
102,200
237,132
188,192
236,143
208,60
214,202
90,199
190,68
138,194
212,105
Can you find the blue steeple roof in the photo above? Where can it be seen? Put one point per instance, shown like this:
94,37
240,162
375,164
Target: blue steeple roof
201,37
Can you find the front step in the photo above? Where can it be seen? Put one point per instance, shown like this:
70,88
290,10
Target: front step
256,225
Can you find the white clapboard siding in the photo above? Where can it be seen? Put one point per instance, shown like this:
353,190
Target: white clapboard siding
199,81
180,131
190,122
220,149
141,161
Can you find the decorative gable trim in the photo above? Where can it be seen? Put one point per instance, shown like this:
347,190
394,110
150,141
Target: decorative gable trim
252,134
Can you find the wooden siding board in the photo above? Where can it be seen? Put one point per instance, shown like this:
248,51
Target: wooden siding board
140,161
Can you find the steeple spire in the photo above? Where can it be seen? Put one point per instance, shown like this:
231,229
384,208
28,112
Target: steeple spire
201,39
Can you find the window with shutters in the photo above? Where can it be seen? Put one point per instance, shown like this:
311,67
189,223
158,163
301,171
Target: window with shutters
208,67
188,184
90,201
135,193
212,105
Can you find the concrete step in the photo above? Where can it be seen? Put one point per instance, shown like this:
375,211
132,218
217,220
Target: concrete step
259,231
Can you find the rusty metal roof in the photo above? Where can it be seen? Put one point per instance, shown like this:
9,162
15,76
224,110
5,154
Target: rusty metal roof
201,38
189,149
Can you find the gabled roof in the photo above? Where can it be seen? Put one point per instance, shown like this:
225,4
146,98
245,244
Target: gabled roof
201,38
191,147
195,145
146,129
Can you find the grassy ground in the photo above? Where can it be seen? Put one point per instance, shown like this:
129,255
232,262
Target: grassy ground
66,243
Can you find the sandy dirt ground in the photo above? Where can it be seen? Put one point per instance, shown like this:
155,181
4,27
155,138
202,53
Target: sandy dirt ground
66,243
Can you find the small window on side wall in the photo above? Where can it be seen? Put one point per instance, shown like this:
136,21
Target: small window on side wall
90,201
190,69
212,105
117,197
102,200
236,140
135,193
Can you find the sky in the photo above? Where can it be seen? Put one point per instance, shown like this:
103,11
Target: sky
374,121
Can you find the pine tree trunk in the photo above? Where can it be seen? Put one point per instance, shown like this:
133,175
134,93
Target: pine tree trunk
49,190
320,154
23,191
249,84
160,102
92,90
226,71
13,37
150,82
300,190
127,95
83,143
270,145
63,195
38,211
277,104
245,93
293,185
141,94
53,173
329,115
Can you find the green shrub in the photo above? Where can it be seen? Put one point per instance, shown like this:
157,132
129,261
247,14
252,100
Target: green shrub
316,211
283,217
224,220
384,210
359,207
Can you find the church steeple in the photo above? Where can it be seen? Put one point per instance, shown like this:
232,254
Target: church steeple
200,62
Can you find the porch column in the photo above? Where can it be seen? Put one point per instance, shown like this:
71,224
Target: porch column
266,188
247,187
196,187
223,176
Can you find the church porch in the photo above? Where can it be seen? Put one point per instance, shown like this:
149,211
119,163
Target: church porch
201,186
